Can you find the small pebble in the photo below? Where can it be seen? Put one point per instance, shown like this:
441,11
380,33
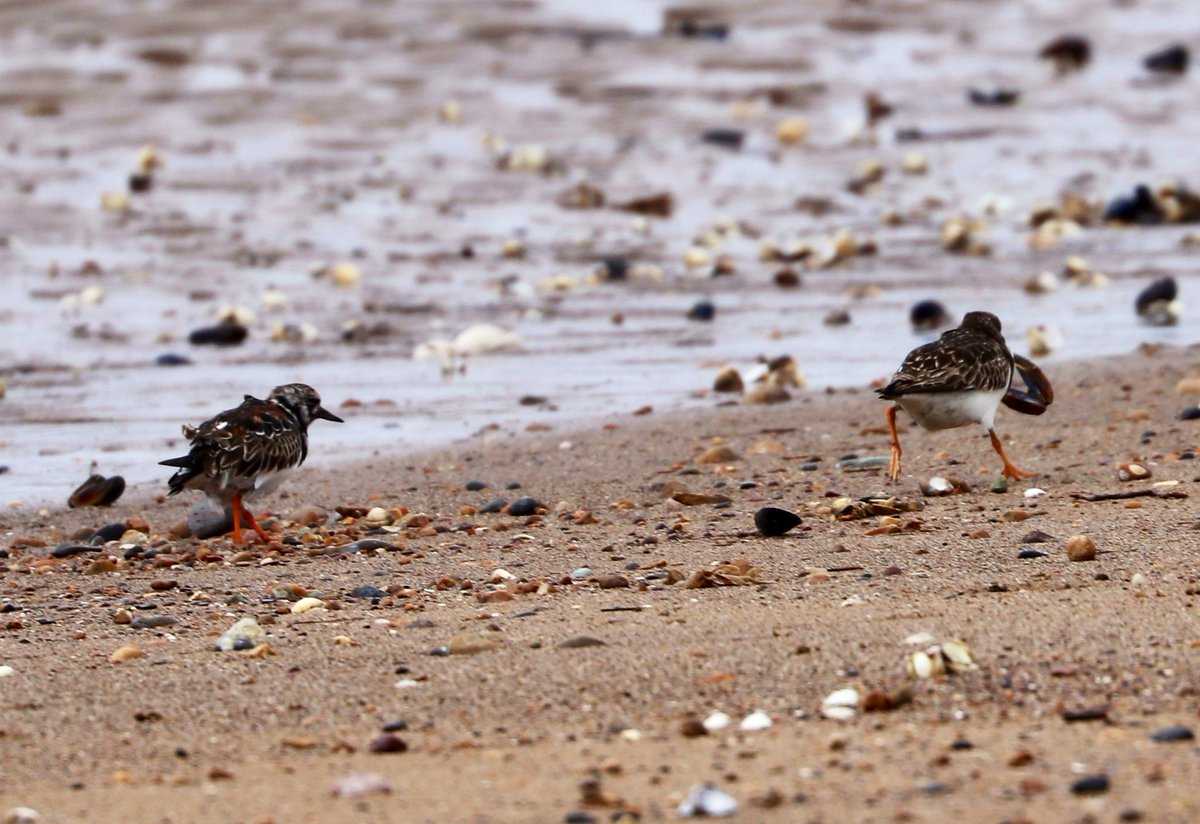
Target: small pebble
582,573
474,486
360,784
1190,413
152,621
1025,554
1081,548
494,505
22,815
1036,536
702,311
1091,785
171,359
1000,485
387,743
244,634
717,720
1177,732
106,533
706,800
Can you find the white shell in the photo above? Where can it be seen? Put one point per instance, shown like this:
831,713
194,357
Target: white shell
705,800
717,720
1034,492
841,704
757,720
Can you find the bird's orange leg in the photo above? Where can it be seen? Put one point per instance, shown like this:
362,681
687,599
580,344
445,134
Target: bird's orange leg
1010,471
236,508
894,466
266,539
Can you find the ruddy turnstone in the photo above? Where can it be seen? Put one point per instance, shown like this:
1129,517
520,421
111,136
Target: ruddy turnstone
962,378
246,452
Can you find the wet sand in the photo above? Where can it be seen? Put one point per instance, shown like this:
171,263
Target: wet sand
510,733
295,141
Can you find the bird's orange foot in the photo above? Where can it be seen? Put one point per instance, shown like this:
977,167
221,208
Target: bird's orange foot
1014,474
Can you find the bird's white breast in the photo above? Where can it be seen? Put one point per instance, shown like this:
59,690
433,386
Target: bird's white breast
946,410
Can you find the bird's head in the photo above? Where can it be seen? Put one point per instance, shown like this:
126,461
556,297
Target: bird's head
303,401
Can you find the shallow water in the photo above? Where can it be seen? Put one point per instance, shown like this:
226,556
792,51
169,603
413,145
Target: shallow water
295,141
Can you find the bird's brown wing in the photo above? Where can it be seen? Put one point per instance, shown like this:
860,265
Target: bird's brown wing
960,360
253,438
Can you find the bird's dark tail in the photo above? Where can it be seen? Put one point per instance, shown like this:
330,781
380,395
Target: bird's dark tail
188,469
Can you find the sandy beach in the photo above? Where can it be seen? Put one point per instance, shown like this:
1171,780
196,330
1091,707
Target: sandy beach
532,589
523,727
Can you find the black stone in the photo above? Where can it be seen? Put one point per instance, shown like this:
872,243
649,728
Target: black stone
229,333
580,818
1191,413
108,532
1036,537
171,359
1091,785
395,726
1163,289
703,311
1140,208
725,138
1170,60
928,314
1178,732
994,97
1070,51
747,484
513,485
616,268
67,550
387,743
369,544
1026,554
474,486
141,182
522,507
961,744
773,521
368,591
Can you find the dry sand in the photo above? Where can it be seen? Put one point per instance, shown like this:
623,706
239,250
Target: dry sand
187,733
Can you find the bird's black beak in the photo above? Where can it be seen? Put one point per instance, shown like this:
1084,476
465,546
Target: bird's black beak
325,414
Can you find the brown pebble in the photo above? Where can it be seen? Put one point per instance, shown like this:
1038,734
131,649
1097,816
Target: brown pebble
692,727
138,523
1081,548
612,581
388,743
163,584
1021,758
495,596
125,653
718,455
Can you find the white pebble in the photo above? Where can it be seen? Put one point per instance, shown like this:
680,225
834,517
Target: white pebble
707,800
305,604
840,704
1034,492
717,720
6,671
22,815
757,720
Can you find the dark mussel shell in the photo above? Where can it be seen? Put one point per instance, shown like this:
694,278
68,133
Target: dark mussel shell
97,490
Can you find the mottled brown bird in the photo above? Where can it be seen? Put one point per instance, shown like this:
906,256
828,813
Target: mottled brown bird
962,378
246,452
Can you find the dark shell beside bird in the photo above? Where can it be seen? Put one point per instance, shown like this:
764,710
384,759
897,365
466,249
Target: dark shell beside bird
927,315
97,490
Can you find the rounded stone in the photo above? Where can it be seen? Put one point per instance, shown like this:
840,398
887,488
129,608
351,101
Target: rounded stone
522,507
773,521
1081,548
